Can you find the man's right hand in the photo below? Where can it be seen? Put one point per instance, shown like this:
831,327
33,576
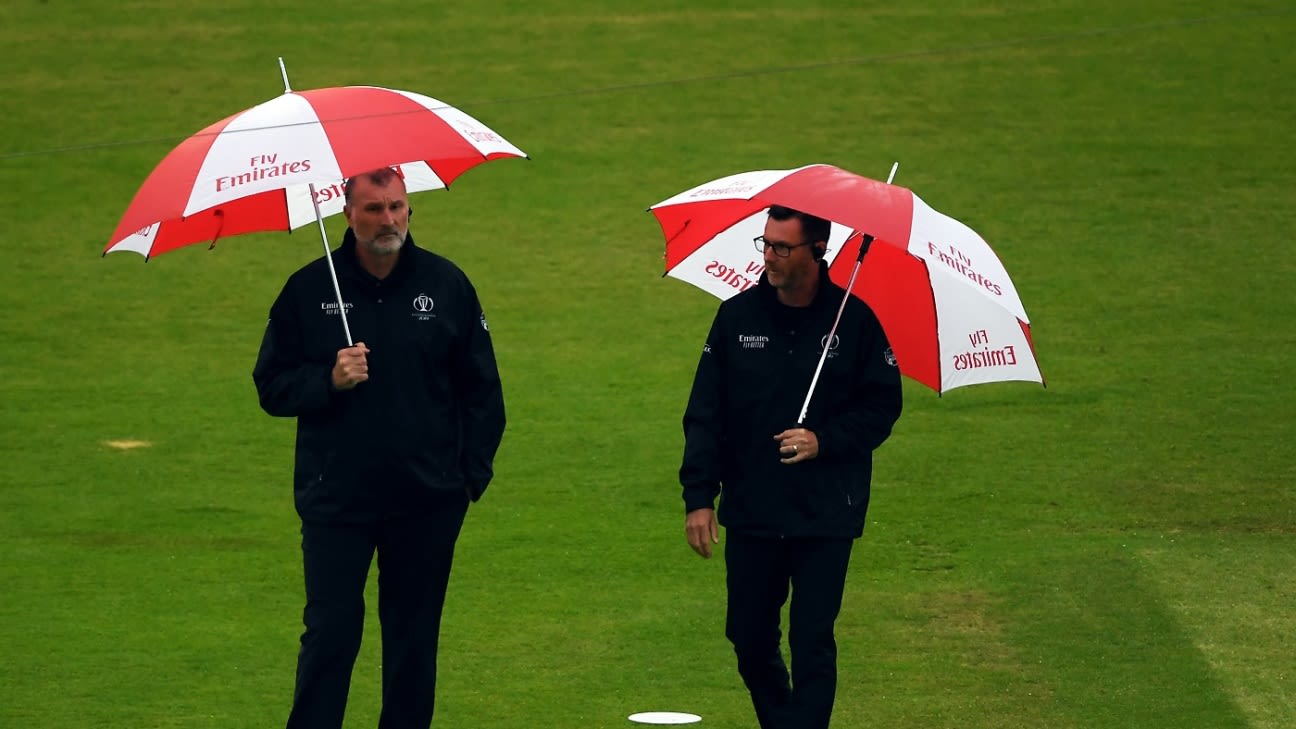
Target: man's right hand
702,531
351,367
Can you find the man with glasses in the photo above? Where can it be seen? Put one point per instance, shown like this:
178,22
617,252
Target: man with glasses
792,497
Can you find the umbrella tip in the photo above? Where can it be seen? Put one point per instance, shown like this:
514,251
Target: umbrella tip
894,166
283,71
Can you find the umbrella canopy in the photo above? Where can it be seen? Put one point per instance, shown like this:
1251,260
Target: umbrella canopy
265,168
950,311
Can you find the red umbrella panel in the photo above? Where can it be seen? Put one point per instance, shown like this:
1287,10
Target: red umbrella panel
944,333
950,311
265,168
693,218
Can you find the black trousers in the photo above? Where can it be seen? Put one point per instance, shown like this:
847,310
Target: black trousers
414,556
759,573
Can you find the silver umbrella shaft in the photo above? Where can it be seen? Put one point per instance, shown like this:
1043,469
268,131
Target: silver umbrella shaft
328,252
823,356
850,286
328,256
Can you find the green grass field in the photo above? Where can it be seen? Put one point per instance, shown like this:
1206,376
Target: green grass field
1116,550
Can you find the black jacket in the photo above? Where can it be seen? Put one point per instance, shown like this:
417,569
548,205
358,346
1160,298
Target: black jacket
750,384
431,414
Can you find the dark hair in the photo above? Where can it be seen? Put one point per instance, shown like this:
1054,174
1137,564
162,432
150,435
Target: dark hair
380,177
815,229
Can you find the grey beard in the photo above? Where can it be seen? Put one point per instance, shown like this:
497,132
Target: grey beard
383,244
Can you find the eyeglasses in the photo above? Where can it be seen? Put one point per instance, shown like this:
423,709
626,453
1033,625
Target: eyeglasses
782,250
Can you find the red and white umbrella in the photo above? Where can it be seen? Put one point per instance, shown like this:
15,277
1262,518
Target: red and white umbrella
265,168
950,311
281,165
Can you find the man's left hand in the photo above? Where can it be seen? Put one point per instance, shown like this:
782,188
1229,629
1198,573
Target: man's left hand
797,444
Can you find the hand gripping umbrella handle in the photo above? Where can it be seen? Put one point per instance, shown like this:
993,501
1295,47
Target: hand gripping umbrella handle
850,286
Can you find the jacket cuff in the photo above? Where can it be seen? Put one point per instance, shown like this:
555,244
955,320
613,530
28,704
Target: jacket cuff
699,497
330,393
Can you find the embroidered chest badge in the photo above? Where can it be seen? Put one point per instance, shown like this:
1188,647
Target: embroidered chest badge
423,306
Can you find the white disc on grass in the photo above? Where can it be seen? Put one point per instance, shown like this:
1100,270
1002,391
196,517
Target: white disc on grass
664,717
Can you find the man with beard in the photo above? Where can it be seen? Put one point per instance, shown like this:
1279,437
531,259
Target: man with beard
395,435
792,499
